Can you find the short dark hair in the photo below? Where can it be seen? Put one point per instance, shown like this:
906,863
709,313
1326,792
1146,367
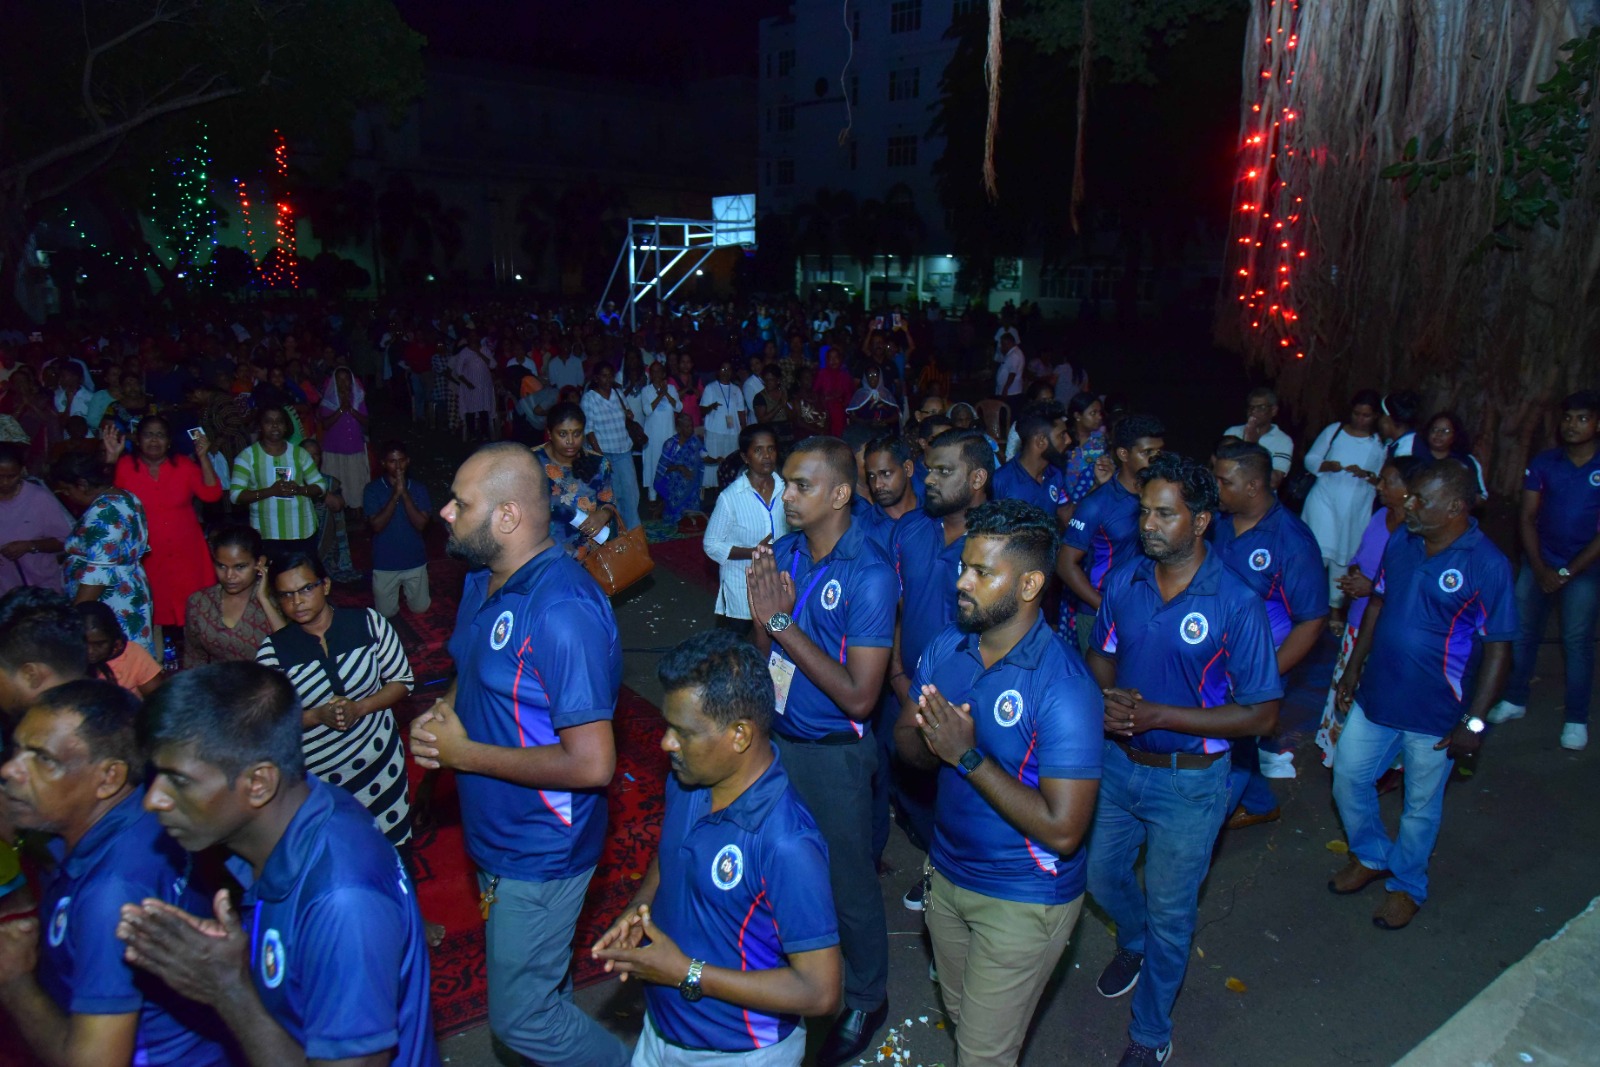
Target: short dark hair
12,452
856,436
394,444
1369,397
1038,419
266,409
1131,429
1463,442
933,426
748,435
1582,400
1402,406
1030,534
732,678
290,560
98,616
1080,403
234,714
237,535
891,443
1455,476
838,456
110,716
1251,457
976,452
1198,484
38,626
90,468
565,411
1263,392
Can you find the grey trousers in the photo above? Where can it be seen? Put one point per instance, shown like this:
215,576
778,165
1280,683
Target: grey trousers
654,1051
529,947
835,781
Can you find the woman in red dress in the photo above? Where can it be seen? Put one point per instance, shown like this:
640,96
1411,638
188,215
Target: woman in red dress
179,562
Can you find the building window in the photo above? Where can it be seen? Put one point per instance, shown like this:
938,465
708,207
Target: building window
903,151
963,8
785,62
785,118
905,16
905,84
785,172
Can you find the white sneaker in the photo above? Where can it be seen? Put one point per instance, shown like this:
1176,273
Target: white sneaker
1277,764
1574,736
1505,711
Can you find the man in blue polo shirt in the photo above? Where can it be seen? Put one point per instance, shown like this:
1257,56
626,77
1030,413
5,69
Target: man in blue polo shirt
1277,556
733,926
1184,655
71,996
526,726
864,512
1034,476
1104,528
823,604
330,962
1560,517
1012,720
1443,593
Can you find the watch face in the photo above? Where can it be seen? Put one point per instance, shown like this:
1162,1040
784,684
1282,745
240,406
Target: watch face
780,621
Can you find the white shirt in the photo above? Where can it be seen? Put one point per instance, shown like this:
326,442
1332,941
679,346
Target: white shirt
1274,440
752,388
725,419
741,519
563,371
1010,370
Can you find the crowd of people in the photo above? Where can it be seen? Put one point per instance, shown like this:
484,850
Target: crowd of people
1018,623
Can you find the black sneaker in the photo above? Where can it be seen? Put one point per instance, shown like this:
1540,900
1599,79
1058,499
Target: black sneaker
1137,1055
1120,975
915,895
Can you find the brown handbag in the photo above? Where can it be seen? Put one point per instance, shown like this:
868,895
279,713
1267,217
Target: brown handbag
620,562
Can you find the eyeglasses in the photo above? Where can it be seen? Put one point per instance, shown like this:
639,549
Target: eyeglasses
296,594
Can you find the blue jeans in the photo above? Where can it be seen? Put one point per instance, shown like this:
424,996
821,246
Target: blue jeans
1580,602
1365,751
421,386
1175,815
1246,783
625,487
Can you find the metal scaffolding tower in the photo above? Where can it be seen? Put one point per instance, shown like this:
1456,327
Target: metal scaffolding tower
661,254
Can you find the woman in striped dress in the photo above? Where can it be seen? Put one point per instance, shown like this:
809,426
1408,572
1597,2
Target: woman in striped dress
349,670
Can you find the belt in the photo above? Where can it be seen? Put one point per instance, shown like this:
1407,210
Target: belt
843,737
1179,761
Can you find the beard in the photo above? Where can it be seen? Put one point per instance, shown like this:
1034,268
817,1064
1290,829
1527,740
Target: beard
976,620
1055,457
476,549
1163,551
938,507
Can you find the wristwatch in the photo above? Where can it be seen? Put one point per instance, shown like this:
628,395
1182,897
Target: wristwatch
1563,573
779,622
969,761
1473,723
690,986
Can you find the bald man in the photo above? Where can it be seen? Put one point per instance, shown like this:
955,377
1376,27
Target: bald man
527,727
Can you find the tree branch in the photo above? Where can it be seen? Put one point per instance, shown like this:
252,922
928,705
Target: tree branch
160,16
77,174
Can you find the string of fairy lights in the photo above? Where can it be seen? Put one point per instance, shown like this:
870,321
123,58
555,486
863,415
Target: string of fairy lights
1267,214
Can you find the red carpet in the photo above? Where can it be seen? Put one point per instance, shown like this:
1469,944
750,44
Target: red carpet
686,557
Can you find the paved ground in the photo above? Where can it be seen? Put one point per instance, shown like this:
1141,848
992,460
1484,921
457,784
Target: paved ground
1517,859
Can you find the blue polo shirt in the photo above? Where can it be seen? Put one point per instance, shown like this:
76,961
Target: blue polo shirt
927,569
123,859
1105,528
919,481
1013,482
845,600
1208,646
540,655
742,888
1280,560
1039,714
338,953
1569,503
878,526
1435,611
398,546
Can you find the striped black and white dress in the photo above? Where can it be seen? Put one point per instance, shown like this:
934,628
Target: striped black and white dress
368,760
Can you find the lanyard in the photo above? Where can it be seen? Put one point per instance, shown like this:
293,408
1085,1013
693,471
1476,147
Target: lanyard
805,598
772,523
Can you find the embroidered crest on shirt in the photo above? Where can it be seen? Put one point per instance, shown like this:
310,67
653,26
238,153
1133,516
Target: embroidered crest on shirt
502,631
58,922
1055,494
727,870
1008,708
1260,559
831,594
1450,580
1594,478
274,965
1193,628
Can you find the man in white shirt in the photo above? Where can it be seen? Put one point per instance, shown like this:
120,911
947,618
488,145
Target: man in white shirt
753,384
562,371
1008,377
1259,429
71,396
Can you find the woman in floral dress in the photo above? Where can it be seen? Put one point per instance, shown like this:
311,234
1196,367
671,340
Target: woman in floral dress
580,481
105,547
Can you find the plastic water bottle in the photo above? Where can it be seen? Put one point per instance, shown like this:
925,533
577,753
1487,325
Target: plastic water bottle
169,656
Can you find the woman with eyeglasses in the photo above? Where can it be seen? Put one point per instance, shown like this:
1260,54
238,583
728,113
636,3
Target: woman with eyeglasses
349,670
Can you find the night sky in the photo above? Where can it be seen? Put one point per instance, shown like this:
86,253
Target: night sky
629,39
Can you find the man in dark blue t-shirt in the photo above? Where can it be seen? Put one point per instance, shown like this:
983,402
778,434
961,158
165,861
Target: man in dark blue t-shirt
1443,594
397,510
1560,534
733,925
1184,655
1012,720
71,995
822,601
1034,476
327,962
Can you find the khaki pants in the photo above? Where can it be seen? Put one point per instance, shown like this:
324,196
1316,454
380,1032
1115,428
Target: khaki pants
994,958
386,587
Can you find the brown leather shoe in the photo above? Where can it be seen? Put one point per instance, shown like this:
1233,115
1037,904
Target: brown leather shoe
1241,818
1354,877
1396,911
